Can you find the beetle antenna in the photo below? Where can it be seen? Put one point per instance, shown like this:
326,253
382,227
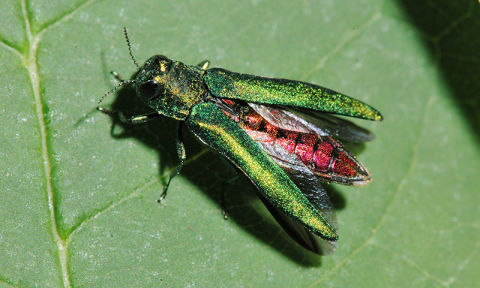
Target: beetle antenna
129,47
123,83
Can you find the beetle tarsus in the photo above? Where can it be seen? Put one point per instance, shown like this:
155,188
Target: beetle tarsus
164,194
105,111
139,119
182,155
204,64
117,76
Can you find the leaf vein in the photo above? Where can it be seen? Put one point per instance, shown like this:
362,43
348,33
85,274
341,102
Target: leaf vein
412,264
10,47
463,265
134,193
348,39
64,17
6,282
454,24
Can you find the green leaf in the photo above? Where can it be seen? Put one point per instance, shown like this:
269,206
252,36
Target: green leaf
79,203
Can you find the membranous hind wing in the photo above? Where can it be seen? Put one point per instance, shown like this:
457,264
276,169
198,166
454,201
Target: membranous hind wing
281,92
214,128
313,121
285,134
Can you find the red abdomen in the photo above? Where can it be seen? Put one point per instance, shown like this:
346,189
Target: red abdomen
325,156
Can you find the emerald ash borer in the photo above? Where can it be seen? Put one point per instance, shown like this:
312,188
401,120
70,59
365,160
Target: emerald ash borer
280,133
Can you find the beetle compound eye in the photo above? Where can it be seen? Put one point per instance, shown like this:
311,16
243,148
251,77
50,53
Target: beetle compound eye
148,90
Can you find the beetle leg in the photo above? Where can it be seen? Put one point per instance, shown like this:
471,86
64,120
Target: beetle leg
204,64
182,155
131,120
117,76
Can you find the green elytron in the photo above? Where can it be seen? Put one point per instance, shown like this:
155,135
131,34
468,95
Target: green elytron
277,132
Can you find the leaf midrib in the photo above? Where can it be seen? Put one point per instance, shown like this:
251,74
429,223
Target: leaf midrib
31,64
29,59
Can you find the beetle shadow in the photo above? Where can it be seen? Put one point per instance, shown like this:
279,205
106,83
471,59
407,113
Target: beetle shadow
450,31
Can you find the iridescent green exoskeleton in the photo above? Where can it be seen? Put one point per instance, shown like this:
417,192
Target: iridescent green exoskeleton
279,133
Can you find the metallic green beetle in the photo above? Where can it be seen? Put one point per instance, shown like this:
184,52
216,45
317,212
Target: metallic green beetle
277,132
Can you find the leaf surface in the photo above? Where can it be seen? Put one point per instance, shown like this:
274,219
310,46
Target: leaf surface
79,204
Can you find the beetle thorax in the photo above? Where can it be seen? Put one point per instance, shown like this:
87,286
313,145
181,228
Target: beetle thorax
183,88
170,87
